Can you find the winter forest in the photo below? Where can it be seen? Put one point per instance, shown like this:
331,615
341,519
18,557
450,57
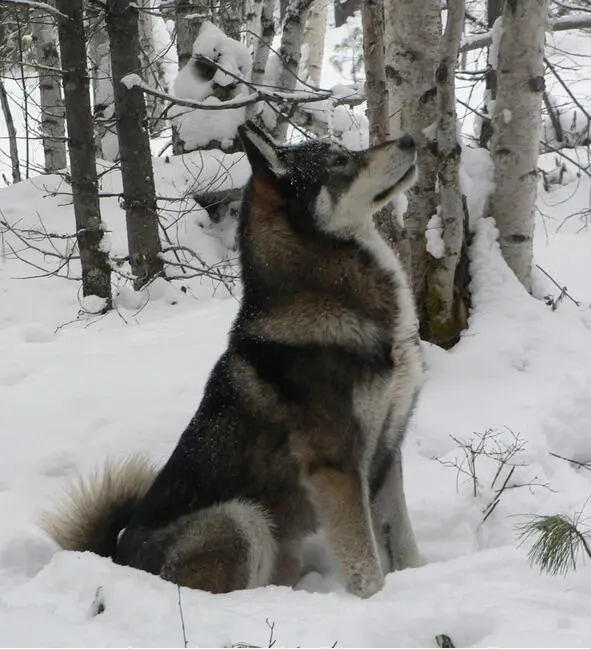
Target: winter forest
121,182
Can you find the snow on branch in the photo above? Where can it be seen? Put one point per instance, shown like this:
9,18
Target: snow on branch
34,5
564,23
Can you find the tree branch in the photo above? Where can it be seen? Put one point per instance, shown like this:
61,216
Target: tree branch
564,23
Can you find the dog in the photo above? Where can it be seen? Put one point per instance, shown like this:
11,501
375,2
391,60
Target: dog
302,419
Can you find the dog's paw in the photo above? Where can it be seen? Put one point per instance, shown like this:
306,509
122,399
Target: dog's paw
364,584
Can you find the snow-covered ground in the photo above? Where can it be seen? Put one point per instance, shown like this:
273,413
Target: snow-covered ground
74,391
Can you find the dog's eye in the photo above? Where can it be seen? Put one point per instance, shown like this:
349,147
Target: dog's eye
340,161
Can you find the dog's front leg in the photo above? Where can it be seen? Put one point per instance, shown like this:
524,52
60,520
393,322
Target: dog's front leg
341,501
392,522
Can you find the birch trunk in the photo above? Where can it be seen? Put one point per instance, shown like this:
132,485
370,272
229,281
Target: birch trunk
11,130
53,130
314,36
254,9
264,43
493,11
151,66
413,29
134,145
444,319
372,15
96,272
189,15
102,87
290,53
516,130
231,17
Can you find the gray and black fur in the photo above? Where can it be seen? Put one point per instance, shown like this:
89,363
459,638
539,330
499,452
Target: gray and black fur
303,416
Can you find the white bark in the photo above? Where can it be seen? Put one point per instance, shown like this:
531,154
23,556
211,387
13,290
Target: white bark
53,129
264,42
372,15
516,130
290,52
252,23
442,301
106,143
314,36
413,33
152,71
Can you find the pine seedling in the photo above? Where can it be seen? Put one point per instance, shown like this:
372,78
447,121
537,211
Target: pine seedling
557,542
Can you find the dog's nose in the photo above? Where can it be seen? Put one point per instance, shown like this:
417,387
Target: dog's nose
405,142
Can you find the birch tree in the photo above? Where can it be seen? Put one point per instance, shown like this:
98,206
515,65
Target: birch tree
493,11
106,143
264,42
134,144
231,16
446,312
53,130
290,52
413,33
151,65
96,272
314,37
372,15
516,130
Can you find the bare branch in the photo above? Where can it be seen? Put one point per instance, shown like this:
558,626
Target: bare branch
564,23
34,5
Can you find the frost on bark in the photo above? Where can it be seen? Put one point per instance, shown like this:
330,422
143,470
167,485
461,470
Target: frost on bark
96,272
314,36
134,144
446,312
413,32
53,130
152,71
106,144
516,130
290,52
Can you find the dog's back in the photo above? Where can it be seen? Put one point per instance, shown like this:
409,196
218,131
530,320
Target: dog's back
303,415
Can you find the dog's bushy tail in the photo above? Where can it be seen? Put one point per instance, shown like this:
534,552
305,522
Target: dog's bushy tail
97,508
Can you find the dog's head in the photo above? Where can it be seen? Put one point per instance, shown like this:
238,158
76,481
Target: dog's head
337,188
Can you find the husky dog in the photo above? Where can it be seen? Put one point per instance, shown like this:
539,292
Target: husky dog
303,416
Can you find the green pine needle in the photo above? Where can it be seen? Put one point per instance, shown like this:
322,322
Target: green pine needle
557,543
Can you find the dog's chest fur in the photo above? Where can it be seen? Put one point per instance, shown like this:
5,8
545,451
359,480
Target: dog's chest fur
383,402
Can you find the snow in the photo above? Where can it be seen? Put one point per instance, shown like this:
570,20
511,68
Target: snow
435,245
106,386
197,128
131,80
77,387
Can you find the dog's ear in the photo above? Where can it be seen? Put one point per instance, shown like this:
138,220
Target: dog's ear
260,150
